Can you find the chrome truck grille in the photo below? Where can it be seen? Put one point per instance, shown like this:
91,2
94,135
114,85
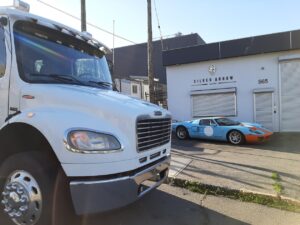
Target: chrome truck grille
152,133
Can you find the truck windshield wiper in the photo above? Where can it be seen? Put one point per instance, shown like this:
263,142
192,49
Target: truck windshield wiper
73,80
61,77
101,83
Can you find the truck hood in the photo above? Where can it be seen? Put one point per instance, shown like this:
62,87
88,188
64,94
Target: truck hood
87,99
58,108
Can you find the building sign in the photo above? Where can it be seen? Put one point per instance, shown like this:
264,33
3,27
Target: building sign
263,81
214,80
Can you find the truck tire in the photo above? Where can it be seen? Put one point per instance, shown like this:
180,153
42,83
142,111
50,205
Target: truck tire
34,191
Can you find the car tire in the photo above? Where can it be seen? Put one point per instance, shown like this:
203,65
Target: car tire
182,133
235,137
34,191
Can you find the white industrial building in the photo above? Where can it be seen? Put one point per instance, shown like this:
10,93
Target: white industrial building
254,79
136,88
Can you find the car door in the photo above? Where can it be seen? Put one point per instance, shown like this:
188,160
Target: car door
209,129
4,78
205,129
194,129
218,131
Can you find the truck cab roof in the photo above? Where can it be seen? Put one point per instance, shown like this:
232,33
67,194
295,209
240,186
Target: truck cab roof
84,36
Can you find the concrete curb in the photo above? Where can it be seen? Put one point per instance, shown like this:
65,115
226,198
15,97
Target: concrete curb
176,181
296,201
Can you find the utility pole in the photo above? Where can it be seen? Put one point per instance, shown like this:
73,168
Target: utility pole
150,57
113,50
83,16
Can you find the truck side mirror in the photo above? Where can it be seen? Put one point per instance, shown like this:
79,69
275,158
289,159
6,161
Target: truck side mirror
3,21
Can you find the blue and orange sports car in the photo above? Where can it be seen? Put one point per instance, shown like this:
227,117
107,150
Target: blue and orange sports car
223,129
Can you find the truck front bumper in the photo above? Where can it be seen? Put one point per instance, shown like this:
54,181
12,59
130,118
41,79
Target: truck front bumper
104,194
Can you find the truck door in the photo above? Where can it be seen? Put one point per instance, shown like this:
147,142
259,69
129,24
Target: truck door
4,73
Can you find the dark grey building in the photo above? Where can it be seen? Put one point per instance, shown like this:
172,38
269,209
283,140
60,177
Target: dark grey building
132,60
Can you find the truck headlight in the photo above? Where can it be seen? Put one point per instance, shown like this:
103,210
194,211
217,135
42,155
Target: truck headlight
85,141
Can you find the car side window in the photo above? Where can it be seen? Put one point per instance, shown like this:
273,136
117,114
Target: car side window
213,123
2,52
204,122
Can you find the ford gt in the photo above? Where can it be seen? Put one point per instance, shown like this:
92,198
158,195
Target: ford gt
223,129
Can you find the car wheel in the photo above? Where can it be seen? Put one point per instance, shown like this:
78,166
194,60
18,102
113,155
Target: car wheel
182,133
235,137
33,191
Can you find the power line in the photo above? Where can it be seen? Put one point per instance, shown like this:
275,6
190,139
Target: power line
90,24
158,25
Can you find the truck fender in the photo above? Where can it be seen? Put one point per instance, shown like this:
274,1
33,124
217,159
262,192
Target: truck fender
53,123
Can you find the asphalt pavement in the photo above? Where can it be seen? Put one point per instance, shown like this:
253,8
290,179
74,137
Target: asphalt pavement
245,167
175,206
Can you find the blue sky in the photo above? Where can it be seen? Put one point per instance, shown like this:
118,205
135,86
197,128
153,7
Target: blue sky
213,20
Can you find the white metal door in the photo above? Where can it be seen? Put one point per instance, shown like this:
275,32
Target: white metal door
263,109
290,95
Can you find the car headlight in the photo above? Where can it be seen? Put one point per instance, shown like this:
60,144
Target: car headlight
85,141
254,130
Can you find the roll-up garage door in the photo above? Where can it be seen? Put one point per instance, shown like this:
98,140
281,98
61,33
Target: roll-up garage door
290,95
214,103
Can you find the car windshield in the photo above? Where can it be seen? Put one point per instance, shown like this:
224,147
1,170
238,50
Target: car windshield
227,122
46,55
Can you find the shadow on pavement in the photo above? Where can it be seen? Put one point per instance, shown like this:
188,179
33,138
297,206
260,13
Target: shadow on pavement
236,166
246,166
161,208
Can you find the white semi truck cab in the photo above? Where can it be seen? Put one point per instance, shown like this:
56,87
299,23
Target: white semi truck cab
63,128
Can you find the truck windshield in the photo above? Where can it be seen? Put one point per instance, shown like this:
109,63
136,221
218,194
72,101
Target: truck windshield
47,55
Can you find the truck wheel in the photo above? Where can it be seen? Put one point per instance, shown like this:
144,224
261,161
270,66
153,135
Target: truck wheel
235,137
29,190
182,133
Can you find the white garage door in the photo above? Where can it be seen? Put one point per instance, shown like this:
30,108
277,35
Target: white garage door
264,109
290,95
214,104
